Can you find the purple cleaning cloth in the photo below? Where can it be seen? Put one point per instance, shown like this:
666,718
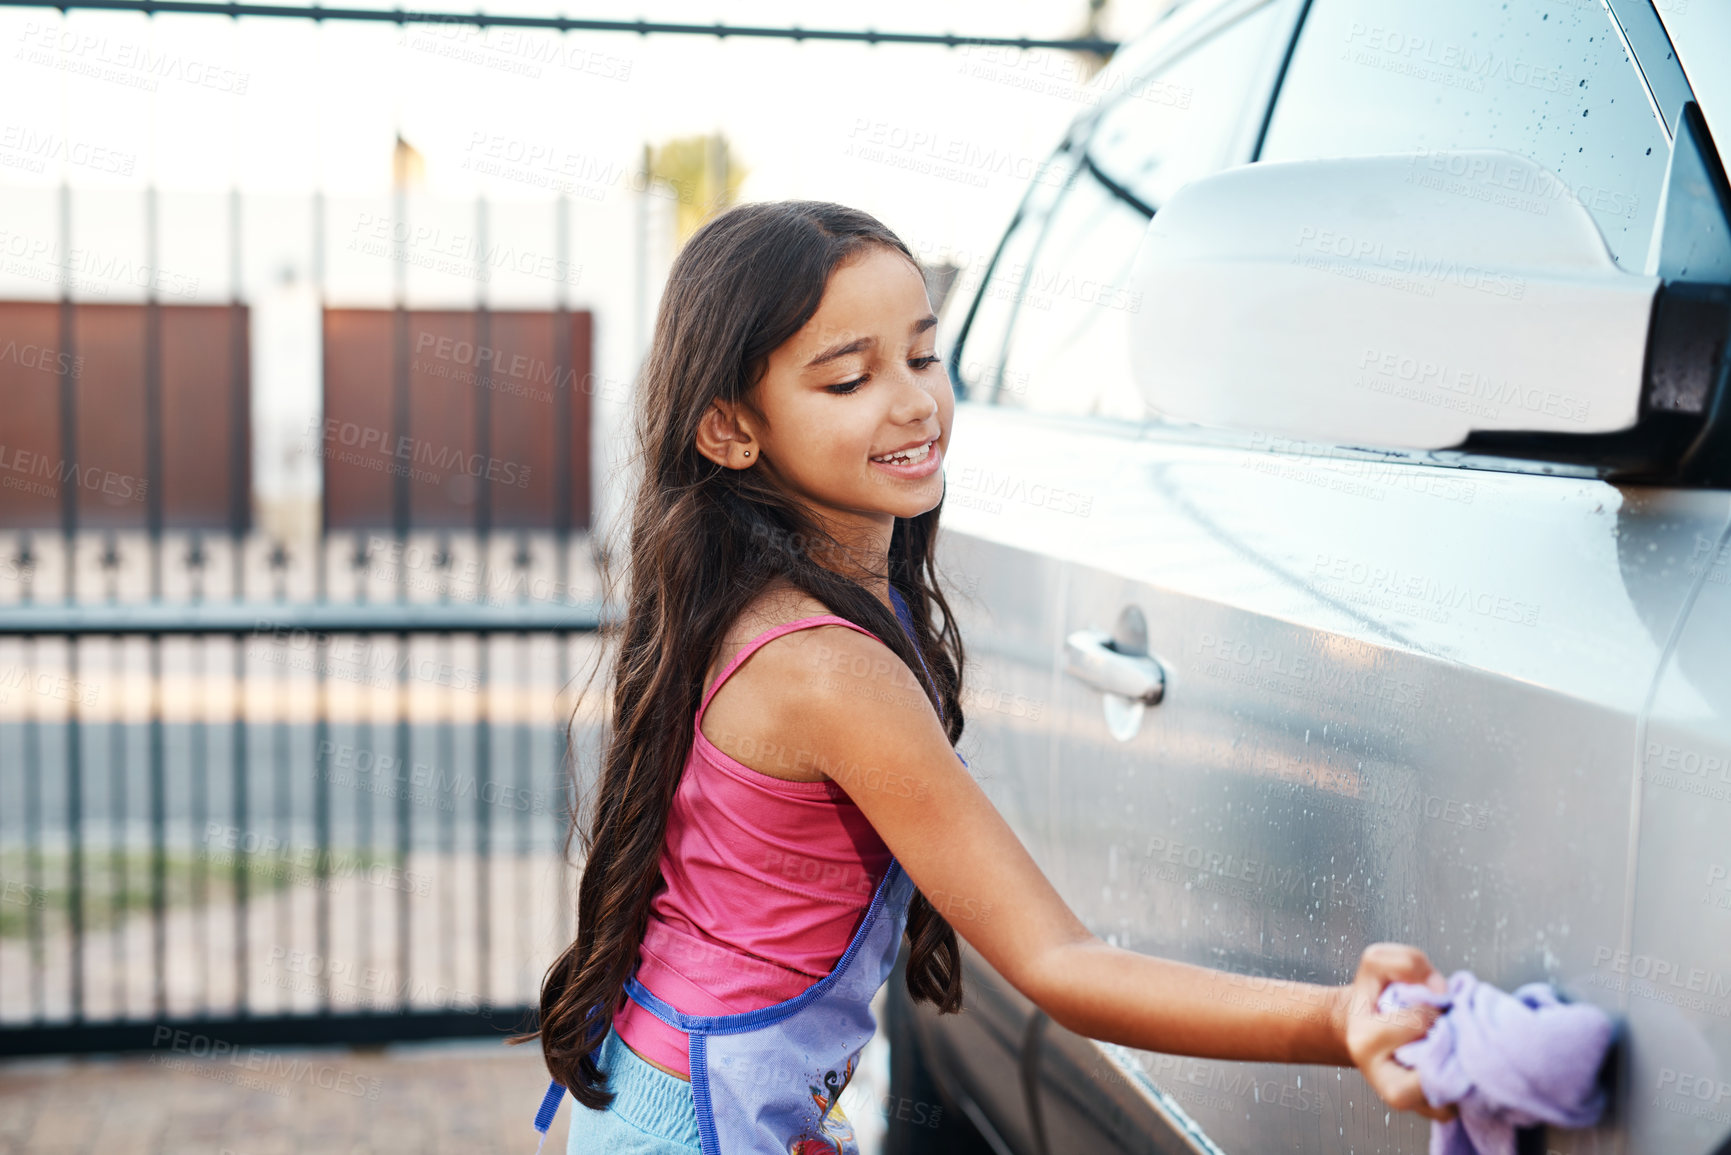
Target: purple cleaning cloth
1506,1060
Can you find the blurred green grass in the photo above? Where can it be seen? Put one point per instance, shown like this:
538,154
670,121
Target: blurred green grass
115,887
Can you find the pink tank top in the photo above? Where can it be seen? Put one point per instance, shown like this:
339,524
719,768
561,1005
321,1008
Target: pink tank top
766,882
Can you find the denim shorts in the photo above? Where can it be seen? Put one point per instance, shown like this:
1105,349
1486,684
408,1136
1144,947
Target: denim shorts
652,1112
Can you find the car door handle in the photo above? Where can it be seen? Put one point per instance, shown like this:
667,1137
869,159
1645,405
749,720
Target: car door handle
1091,658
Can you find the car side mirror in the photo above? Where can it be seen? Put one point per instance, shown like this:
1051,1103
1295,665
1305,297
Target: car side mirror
1388,301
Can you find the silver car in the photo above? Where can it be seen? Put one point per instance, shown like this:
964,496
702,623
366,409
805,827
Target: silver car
1337,512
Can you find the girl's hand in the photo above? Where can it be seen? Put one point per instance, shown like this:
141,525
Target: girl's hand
1371,1036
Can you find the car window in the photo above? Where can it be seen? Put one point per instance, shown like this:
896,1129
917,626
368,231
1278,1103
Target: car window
1551,82
1068,350
1179,121
977,369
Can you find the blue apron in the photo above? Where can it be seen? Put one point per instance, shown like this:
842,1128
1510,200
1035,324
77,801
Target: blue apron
770,1079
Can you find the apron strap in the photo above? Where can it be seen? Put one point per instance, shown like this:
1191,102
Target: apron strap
549,1107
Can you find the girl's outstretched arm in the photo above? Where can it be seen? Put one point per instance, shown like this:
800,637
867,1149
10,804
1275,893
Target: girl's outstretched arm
856,716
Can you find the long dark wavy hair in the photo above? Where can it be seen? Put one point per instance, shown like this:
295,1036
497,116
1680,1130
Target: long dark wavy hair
703,541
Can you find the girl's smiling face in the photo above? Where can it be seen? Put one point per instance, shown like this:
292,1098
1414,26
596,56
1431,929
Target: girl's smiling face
861,380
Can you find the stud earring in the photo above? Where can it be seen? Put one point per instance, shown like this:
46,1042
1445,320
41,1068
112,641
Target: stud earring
748,453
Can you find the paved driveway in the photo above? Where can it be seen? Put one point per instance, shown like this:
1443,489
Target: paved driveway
476,1098
427,1098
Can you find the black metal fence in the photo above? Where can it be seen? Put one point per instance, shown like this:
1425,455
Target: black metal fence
292,822
280,772
261,777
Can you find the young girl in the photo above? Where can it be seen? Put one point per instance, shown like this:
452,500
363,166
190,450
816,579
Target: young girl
779,790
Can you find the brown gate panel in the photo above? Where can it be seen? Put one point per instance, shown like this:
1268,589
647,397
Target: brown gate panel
441,434
357,417
492,400
105,358
204,347
524,385
111,470
583,376
31,364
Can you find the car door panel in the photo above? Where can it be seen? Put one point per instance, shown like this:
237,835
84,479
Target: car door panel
1005,602
1382,680
975,1056
1094,1098
1670,971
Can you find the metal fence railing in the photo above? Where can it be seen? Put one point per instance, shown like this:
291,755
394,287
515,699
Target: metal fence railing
282,693
287,821
294,574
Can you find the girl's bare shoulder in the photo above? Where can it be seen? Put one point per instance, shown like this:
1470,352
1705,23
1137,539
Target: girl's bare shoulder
750,713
